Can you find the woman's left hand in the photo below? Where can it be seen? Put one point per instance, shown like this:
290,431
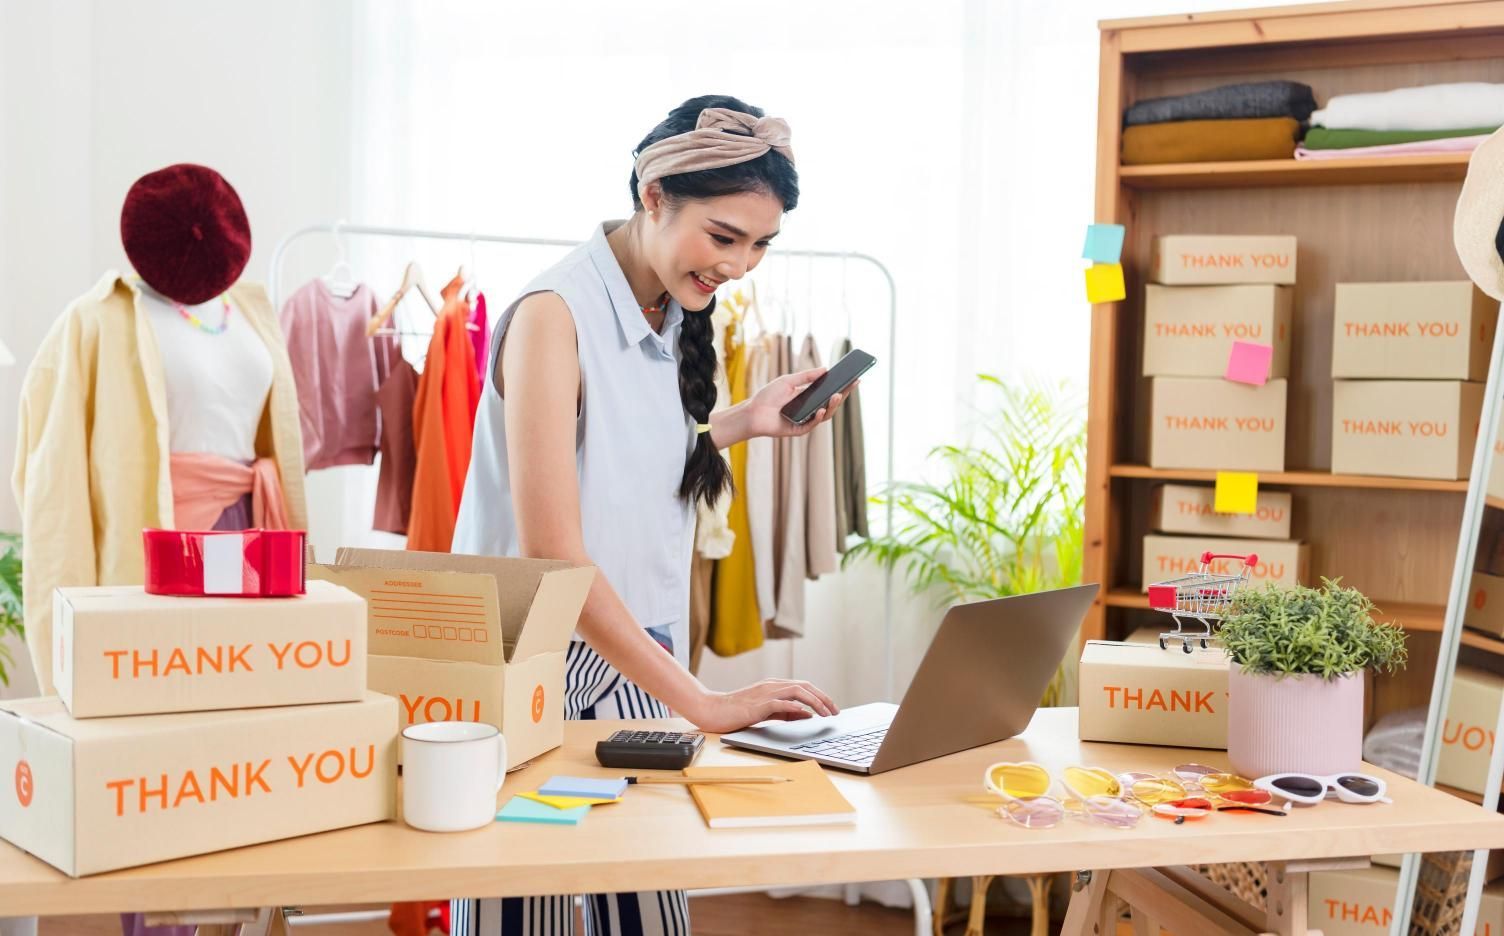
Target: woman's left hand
763,413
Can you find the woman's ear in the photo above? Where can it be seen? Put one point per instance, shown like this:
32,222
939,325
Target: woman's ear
652,199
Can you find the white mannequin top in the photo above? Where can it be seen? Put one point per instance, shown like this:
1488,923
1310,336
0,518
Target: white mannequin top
217,385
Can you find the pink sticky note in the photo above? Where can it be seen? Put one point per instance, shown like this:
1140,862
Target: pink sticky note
1249,363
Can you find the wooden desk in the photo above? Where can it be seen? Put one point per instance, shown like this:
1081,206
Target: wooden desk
928,820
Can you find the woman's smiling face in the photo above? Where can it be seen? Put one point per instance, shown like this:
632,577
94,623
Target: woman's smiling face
698,244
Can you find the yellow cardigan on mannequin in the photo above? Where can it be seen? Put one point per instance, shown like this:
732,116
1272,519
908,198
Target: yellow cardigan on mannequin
92,452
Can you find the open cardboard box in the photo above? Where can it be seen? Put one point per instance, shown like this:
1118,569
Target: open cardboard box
468,638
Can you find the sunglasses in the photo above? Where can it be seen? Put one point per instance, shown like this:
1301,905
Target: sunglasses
1197,807
1025,787
1190,780
1309,789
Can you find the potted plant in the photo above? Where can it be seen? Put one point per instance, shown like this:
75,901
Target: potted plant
10,599
1007,517
1295,687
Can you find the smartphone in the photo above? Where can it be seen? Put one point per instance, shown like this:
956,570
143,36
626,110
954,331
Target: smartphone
802,408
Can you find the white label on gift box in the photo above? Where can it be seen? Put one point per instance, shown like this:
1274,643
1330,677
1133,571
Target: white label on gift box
224,562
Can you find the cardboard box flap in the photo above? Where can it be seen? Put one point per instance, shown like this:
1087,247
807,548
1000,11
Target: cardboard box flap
1123,653
521,596
554,612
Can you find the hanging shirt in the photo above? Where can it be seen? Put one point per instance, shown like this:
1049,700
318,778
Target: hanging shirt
216,383
480,335
338,369
394,482
443,422
736,623
632,438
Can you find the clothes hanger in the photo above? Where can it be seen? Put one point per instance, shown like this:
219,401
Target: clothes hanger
412,276
342,288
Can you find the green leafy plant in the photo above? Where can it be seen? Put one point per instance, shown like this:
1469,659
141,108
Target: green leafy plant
1297,630
1008,517
10,598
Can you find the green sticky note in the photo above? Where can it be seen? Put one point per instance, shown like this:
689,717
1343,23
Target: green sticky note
1104,283
520,809
1237,492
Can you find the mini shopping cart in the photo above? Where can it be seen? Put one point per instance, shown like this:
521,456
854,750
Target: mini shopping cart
1202,596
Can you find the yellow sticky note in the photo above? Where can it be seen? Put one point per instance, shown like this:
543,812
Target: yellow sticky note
1237,492
565,802
1104,283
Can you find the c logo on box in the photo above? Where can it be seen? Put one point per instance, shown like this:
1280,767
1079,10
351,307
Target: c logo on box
24,785
537,703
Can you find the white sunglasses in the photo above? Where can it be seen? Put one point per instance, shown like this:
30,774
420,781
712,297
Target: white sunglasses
1311,789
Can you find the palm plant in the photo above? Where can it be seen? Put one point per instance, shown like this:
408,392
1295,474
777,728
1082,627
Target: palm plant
1008,517
10,598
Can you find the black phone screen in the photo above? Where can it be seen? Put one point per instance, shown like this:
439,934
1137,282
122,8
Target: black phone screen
803,407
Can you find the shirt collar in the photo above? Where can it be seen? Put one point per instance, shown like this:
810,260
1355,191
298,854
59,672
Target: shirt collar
634,325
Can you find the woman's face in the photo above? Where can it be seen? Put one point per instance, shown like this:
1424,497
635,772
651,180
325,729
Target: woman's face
701,244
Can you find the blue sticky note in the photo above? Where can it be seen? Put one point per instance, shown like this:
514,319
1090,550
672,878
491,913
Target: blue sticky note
521,809
1104,243
584,787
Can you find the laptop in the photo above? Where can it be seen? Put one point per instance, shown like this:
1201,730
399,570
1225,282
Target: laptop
980,682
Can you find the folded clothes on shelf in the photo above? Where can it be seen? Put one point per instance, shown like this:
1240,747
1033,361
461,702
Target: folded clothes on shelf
1419,148
1427,107
1235,101
1210,140
1324,138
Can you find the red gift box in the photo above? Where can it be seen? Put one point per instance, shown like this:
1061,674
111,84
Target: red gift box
243,563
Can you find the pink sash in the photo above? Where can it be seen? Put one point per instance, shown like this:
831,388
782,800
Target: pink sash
204,486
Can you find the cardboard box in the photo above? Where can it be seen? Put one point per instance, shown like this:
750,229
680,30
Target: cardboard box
1405,428
1485,605
1491,871
469,638
1361,903
120,651
1284,562
1216,424
94,795
1189,330
1206,259
1496,465
1467,734
1417,331
1188,508
1139,694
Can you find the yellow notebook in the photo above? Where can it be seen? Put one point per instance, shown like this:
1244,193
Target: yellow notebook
809,799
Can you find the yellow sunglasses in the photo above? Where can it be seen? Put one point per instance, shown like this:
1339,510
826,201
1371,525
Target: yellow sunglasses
1025,788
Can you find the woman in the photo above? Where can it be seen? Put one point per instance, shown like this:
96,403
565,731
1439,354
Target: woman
595,439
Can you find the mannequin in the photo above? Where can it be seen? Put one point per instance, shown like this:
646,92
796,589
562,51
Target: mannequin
164,400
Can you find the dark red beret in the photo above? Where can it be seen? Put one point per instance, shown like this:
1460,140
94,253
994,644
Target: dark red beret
185,232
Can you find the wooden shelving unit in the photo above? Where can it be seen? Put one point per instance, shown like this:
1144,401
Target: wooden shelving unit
1440,167
1356,220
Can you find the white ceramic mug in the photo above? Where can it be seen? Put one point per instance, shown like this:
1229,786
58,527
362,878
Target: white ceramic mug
451,773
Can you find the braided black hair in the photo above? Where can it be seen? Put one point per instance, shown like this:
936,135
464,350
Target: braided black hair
706,474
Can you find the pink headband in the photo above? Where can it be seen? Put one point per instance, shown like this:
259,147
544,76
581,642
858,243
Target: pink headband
721,138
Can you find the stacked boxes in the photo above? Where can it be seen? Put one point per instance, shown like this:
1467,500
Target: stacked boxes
1408,361
1209,292
1467,733
236,721
1361,903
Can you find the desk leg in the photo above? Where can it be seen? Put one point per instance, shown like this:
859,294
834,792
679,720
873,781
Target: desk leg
1289,891
1084,915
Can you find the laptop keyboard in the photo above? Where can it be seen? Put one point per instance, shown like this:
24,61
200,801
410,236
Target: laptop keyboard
855,748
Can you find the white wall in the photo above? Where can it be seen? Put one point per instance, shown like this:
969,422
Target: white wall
95,94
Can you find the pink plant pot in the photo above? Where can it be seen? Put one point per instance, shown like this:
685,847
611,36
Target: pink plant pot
1296,724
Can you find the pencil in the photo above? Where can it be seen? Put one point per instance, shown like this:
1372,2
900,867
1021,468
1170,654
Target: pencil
684,781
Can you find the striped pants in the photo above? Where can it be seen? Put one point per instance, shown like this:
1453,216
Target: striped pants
592,689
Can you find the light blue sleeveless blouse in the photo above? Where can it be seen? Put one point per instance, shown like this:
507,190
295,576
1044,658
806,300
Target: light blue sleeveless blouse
632,439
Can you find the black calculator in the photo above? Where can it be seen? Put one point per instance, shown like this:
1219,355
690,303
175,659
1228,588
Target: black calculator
649,750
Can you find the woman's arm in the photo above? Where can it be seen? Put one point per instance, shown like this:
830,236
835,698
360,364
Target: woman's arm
761,414
539,373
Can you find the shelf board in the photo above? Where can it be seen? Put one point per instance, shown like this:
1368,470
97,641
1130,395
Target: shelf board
1435,167
1475,798
1482,641
1414,617
1295,479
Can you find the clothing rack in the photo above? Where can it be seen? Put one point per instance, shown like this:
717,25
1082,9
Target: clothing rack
339,229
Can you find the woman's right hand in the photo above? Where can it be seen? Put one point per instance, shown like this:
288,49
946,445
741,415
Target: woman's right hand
781,699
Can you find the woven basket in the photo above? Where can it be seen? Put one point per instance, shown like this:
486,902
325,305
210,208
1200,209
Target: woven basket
1439,896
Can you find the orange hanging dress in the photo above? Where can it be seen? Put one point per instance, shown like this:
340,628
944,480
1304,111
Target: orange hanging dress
443,423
